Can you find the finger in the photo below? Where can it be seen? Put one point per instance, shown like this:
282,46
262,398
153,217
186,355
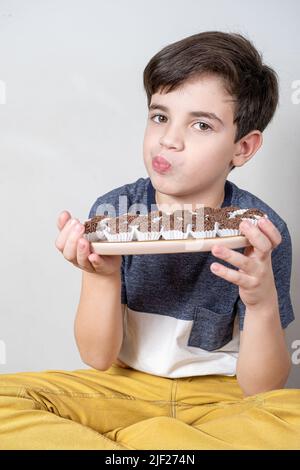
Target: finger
64,233
269,229
235,277
70,248
94,259
63,219
259,240
83,252
235,258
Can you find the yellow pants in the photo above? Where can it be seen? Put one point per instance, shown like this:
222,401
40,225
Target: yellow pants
124,409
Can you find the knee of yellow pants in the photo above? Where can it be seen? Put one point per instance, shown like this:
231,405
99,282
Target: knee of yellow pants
151,433
165,432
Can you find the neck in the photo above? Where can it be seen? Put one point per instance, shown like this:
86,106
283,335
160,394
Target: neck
210,198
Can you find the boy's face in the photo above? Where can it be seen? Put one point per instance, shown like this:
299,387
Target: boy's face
200,149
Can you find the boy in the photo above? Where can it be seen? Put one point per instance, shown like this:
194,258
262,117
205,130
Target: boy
185,353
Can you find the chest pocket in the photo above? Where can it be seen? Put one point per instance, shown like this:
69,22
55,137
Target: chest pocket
211,330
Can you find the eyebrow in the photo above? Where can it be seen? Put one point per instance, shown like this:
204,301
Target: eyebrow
191,113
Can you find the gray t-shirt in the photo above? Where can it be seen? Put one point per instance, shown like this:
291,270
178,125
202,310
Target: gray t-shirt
180,319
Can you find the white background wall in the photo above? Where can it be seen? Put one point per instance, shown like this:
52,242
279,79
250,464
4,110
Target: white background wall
71,129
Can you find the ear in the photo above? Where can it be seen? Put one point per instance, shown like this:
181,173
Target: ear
246,147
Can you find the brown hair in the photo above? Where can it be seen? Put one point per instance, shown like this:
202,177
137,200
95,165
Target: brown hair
252,84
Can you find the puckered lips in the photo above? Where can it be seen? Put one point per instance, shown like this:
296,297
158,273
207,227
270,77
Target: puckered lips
161,164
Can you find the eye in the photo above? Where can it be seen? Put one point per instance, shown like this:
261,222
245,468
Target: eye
157,115
203,124
207,127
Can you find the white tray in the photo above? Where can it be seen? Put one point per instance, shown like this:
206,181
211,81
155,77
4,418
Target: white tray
167,246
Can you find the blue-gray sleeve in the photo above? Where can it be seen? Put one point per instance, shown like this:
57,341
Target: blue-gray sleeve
92,213
282,266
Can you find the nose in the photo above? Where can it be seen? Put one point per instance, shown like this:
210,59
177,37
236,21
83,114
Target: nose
171,138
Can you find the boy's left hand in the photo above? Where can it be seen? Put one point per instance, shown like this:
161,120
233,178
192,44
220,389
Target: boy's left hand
255,275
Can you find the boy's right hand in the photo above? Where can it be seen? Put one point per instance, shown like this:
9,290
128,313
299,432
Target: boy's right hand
76,249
